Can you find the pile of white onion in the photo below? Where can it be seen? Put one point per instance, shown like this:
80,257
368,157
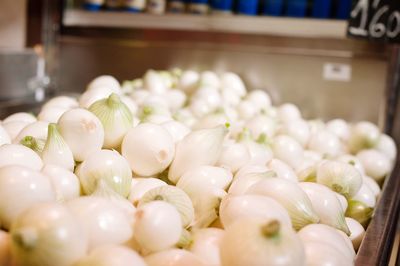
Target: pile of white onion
185,168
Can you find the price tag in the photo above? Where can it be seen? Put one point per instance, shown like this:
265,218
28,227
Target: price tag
376,20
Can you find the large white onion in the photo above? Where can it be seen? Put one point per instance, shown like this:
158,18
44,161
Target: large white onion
47,235
21,188
65,183
15,154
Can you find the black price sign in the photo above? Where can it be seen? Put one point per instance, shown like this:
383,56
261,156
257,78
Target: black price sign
376,20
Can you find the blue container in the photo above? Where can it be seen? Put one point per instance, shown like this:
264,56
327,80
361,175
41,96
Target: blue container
273,7
343,9
247,7
222,5
321,8
296,8
92,7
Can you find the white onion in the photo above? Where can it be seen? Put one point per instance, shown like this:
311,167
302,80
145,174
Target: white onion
149,149
234,156
212,120
209,78
259,98
4,136
326,205
325,143
153,82
93,95
176,197
298,204
205,244
130,103
340,128
140,186
65,183
261,124
366,196
319,253
112,255
210,96
247,109
82,131
115,117
176,99
199,147
176,129
108,168
46,235
234,83
241,184
260,153
51,114
328,235
260,242
341,177
13,128
206,175
102,221
21,188
65,102
288,150
352,160
387,146
158,226
105,81
282,170
251,169
288,112
37,130
56,150
188,80
373,185
234,208
15,154
21,116
174,257
375,163
357,232
297,129
364,135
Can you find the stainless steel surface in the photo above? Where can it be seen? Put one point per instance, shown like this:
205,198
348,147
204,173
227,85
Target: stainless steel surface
290,75
16,69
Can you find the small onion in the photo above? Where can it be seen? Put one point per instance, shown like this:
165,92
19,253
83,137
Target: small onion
174,257
176,129
105,167
261,124
366,196
56,150
140,186
297,129
260,242
319,253
51,114
15,154
234,156
298,204
357,232
359,211
288,112
282,170
115,117
92,95
65,102
4,137
13,128
65,183
325,143
328,235
326,205
241,184
102,221
364,135
105,81
340,128
259,98
82,131
176,197
205,244
375,163
37,130
112,255
46,235
25,117
341,177
158,226
373,185
199,147
21,188
233,208
387,146
288,150
149,149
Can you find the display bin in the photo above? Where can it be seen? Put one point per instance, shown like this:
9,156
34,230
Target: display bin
286,56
